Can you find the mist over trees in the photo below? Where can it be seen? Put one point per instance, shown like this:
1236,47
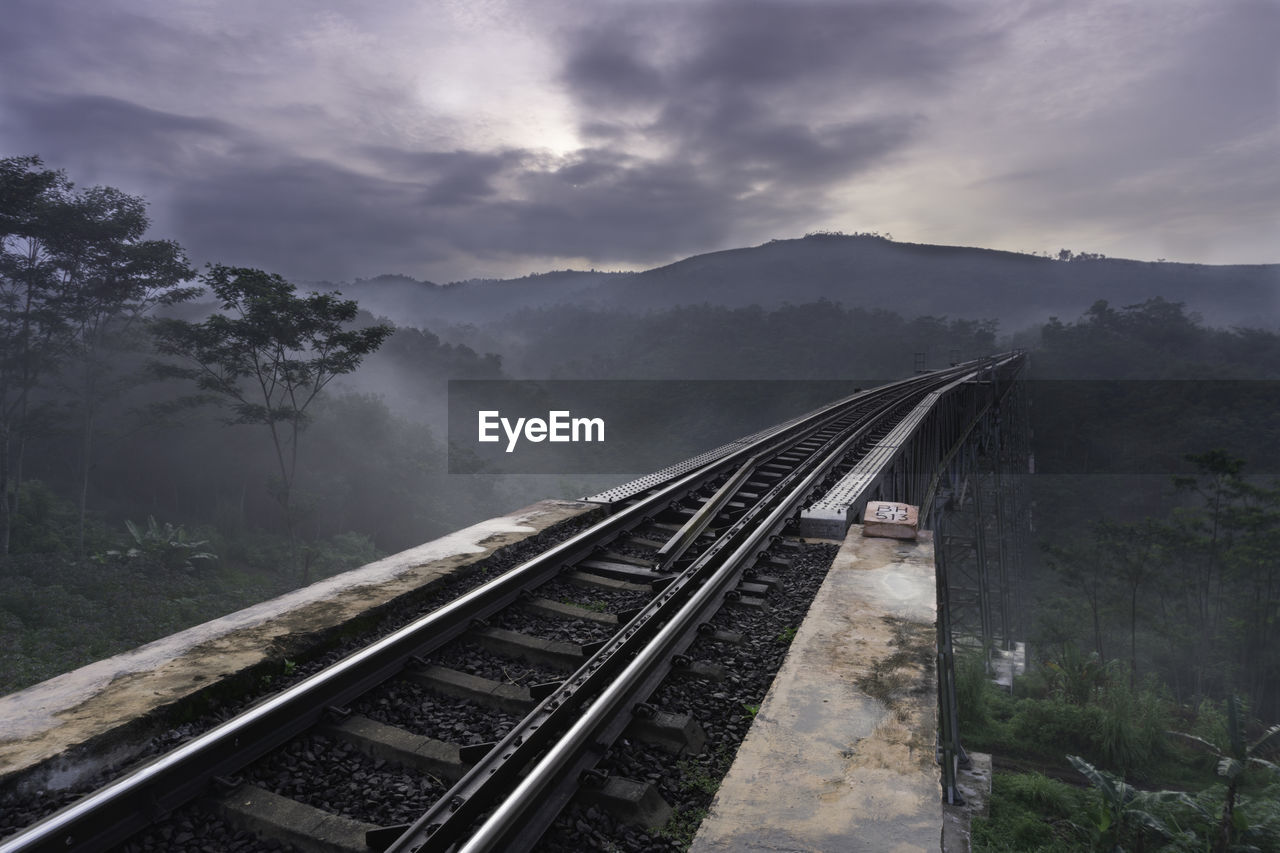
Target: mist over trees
1161,521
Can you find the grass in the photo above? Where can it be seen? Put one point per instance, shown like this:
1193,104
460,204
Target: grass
683,825
700,776
1030,812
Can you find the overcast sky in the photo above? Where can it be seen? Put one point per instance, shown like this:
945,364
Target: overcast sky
447,140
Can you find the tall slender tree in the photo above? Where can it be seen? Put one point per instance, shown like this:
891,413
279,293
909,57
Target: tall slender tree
36,267
269,355
118,279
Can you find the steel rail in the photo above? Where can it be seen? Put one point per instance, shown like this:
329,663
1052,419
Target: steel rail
675,547
122,807
444,821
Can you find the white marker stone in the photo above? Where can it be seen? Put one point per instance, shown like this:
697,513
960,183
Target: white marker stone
891,520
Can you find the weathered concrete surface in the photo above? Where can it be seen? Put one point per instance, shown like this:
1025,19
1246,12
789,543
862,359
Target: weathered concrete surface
80,721
840,756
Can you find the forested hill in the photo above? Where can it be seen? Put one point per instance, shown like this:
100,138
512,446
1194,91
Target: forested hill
866,271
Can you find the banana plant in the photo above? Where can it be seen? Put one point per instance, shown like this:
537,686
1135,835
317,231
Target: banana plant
1123,810
1233,761
167,544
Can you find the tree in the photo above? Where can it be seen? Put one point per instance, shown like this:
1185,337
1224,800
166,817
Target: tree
1133,556
75,274
118,279
37,272
269,356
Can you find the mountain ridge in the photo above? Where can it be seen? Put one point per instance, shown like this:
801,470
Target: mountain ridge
871,271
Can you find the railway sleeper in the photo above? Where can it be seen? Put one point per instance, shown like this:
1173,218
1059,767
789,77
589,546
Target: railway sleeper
615,557
722,518
678,734
667,529
564,610
307,828
636,803
703,669
646,542
462,685
768,560
753,589
746,602
738,505
526,647
719,635
629,801
594,581
400,747
768,581
620,571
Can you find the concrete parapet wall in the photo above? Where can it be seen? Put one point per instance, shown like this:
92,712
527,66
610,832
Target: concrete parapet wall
62,731
841,753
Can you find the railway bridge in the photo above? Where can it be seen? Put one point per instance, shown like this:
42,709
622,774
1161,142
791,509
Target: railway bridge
559,678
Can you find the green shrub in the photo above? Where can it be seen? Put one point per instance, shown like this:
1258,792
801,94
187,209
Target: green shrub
1044,795
1052,727
44,522
973,689
1033,684
1133,726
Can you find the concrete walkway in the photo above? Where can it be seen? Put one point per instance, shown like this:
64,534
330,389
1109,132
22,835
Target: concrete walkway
840,756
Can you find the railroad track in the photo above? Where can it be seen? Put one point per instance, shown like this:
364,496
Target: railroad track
554,660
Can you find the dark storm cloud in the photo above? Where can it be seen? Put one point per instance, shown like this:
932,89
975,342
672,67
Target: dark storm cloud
607,207
782,44
608,73
449,177
308,218
96,128
755,98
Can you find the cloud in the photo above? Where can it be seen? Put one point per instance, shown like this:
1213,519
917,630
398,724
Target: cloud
1152,137
481,139
771,103
95,129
